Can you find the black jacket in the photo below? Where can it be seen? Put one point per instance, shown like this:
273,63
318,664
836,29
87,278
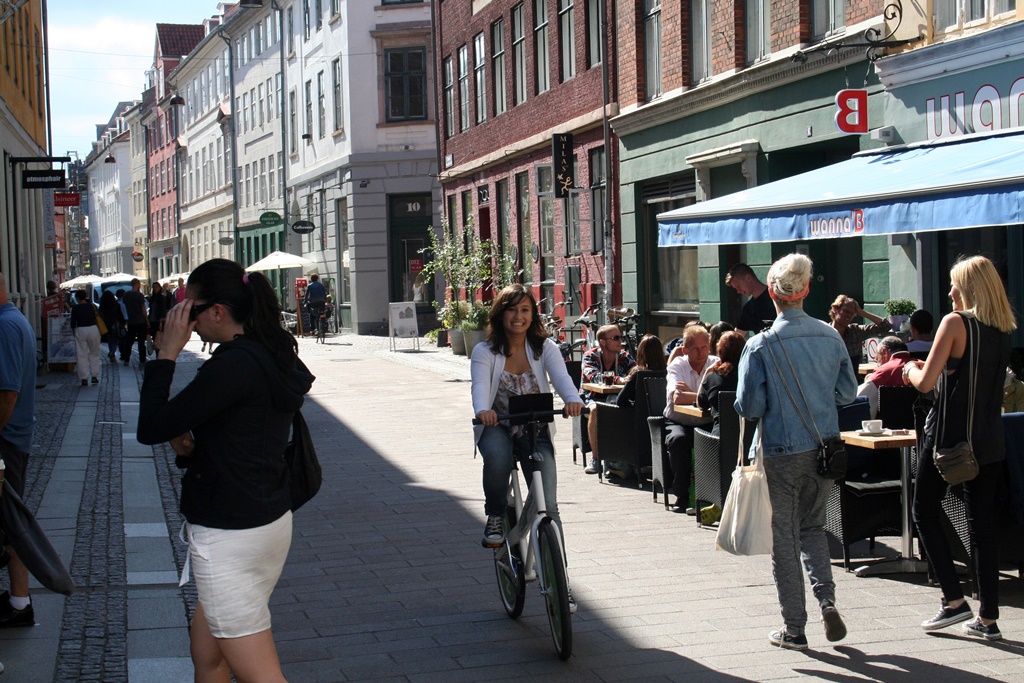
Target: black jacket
239,408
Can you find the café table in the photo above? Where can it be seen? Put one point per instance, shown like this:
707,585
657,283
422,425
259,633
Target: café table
693,410
866,368
602,389
904,440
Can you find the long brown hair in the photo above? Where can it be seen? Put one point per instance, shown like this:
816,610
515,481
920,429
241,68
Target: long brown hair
730,347
510,297
650,354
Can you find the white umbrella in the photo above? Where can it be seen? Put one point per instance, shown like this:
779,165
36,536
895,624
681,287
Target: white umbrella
173,279
80,281
280,259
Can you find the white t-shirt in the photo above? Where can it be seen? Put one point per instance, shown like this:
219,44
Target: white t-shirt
680,370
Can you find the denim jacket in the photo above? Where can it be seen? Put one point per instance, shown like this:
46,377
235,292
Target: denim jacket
826,376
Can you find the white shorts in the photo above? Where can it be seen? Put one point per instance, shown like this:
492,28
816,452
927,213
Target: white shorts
236,571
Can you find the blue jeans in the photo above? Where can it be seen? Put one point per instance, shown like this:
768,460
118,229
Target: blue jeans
496,448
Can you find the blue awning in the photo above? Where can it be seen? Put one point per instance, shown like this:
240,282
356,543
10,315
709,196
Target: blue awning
969,182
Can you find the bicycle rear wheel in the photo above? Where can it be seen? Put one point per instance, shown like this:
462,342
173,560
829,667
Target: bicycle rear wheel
510,572
556,590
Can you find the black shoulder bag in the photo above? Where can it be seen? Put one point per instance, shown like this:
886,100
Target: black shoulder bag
958,464
831,452
304,472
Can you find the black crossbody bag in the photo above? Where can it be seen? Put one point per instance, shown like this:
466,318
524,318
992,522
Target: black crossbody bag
832,451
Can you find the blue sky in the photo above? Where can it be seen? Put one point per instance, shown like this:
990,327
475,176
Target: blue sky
99,53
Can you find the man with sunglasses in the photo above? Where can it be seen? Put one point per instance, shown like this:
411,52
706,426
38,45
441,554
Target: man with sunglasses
607,356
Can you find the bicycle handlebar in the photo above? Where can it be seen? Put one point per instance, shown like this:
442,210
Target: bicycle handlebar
531,416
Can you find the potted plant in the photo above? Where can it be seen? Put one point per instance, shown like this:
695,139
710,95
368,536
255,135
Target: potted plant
474,325
447,258
899,311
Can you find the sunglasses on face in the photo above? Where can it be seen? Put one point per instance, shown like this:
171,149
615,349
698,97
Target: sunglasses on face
199,308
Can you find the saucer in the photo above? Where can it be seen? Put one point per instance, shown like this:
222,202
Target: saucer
880,432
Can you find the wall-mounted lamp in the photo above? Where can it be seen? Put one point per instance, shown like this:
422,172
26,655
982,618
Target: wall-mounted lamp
364,183
110,159
177,101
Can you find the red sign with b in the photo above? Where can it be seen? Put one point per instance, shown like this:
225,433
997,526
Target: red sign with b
852,111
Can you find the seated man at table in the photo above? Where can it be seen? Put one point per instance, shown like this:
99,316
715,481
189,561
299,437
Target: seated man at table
921,324
891,356
607,356
683,382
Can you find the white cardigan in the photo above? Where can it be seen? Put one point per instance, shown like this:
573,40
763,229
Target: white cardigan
487,367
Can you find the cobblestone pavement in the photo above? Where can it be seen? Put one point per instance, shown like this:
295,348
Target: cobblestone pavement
386,579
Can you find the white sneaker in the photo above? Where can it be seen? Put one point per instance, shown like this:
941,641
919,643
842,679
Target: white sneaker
494,532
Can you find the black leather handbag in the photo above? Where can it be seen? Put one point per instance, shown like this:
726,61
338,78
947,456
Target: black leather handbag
957,463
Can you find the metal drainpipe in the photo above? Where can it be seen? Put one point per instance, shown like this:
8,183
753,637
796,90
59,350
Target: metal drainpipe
231,129
282,290
609,266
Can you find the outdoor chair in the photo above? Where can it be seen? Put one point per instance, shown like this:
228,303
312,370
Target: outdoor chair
863,507
622,432
715,456
579,427
661,471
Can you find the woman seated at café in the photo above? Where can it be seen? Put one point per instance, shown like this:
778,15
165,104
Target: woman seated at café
722,376
650,357
844,310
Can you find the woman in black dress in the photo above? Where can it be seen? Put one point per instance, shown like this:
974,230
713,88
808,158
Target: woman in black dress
972,346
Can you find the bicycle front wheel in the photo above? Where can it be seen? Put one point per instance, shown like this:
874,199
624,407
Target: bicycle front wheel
510,571
556,590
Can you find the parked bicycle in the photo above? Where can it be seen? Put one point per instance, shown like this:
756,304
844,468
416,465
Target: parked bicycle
532,549
588,323
626,319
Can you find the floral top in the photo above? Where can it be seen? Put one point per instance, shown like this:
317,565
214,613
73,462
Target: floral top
514,385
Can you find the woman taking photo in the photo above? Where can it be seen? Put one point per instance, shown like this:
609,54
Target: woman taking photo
844,309
517,358
972,346
790,432
230,426
722,376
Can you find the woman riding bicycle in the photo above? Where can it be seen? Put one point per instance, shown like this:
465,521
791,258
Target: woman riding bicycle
517,358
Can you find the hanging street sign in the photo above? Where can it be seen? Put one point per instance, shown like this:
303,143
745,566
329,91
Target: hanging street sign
269,219
66,199
52,179
303,227
226,241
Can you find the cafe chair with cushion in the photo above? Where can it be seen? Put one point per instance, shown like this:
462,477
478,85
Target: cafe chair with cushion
579,428
622,432
661,471
861,506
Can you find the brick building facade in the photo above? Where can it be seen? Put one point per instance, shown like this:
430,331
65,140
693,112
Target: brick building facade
511,75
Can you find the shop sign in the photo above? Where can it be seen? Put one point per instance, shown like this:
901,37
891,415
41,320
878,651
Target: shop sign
843,225
984,114
303,227
52,179
66,199
415,266
138,257
852,112
561,159
270,218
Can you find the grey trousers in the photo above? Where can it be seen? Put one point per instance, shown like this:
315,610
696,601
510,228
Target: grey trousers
798,496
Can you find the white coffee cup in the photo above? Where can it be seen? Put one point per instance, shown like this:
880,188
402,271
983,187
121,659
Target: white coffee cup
872,426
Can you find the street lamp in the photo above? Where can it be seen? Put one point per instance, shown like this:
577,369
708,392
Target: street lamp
110,159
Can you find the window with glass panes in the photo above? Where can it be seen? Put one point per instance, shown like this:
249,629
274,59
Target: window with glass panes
518,56
523,226
336,91
498,65
546,213
343,287
597,199
758,20
828,16
503,210
567,38
542,74
321,106
700,40
405,76
594,32
480,76
652,48
293,124
309,109
449,96
463,55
